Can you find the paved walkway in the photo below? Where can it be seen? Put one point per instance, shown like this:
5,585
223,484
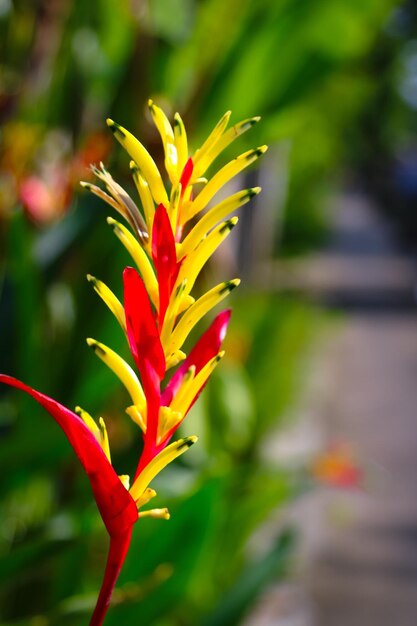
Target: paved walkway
363,570
359,549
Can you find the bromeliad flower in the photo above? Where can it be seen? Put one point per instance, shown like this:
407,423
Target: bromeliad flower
157,315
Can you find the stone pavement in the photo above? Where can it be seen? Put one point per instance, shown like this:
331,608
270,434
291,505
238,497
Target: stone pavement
358,552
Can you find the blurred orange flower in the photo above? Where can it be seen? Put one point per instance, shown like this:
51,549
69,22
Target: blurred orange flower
338,467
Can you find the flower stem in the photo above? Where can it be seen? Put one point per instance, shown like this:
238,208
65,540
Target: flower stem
119,545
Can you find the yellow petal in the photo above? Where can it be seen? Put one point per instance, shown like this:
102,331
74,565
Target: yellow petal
168,418
225,140
143,159
104,438
182,401
110,299
99,431
137,416
153,468
195,261
172,312
185,384
221,178
185,303
211,140
139,256
212,217
180,137
125,480
89,422
156,514
173,205
197,310
147,495
167,135
176,357
145,196
122,370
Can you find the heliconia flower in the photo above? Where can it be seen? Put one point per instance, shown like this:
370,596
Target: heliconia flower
157,315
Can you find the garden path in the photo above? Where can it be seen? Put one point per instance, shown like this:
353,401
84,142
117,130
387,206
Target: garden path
358,553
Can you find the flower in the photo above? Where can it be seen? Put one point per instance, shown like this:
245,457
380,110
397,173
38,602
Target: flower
47,194
338,467
157,315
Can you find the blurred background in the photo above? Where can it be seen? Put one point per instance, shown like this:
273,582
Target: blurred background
298,507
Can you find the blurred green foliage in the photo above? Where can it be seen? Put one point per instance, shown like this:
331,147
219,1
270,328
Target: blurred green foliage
66,66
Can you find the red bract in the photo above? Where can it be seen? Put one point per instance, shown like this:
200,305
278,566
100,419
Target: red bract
142,330
114,502
117,507
187,172
164,257
205,349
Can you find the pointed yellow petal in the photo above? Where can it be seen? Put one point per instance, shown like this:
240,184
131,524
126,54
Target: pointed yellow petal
210,142
172,312
167,135
158,463
195,261
161,122
185,384
222,177
145,196
225,140
173,205
122,370
99,431
143,159
212,217
104,438
181,402
139,256
109,299
196,312
89,422
180,137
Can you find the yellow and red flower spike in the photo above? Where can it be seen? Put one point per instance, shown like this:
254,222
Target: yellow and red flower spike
157,315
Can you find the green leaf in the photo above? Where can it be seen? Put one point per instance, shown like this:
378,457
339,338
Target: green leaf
253,580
